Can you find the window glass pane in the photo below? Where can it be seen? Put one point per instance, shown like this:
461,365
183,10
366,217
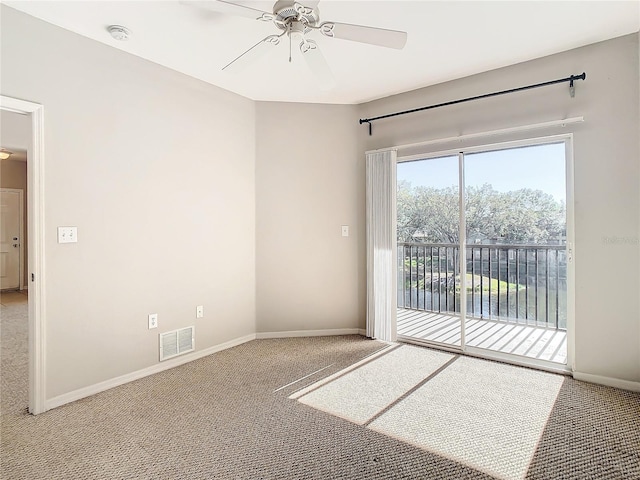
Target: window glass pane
515,211
428,236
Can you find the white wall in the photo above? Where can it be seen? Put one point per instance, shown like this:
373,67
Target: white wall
15,131
607,175
156,170
308,184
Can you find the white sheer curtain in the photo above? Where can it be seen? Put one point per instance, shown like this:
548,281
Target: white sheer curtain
381,245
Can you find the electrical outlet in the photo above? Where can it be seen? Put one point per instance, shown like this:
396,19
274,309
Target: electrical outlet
153,320
199,311
67,234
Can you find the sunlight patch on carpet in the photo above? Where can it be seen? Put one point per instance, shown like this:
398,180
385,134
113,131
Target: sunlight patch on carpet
485,415
362,393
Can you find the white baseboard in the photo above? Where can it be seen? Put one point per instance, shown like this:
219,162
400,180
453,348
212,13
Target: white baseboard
311,333
145,372
608,381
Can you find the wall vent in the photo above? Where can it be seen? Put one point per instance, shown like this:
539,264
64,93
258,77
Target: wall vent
177,342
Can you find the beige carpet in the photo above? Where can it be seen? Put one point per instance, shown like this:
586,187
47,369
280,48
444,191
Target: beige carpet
227,416
362,393
486,415
14,360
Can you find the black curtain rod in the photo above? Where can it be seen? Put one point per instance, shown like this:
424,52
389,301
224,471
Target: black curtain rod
570,79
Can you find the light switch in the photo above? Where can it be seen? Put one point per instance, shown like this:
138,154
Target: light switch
345,230
67,234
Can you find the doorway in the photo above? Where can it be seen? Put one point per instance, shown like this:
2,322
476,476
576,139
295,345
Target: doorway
35,275
11,238
484,246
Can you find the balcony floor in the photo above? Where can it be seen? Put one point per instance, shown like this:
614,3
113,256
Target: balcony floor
524,340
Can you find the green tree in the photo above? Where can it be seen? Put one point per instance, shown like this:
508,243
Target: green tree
430,215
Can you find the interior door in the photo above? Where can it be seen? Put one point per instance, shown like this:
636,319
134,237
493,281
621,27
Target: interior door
9,239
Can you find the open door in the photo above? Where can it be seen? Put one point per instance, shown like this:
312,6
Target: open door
11,214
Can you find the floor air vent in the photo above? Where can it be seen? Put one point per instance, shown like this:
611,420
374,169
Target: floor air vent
177,342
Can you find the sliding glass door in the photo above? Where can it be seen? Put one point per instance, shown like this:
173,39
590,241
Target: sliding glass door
499,217
428,217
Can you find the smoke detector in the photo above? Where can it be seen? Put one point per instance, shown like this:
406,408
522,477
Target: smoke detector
119,32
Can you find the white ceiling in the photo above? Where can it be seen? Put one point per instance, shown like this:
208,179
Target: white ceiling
446,40
15,130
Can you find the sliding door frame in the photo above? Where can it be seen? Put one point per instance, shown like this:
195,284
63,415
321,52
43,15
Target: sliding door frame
460,152
462,249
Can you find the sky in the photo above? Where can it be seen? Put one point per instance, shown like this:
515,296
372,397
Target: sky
540,167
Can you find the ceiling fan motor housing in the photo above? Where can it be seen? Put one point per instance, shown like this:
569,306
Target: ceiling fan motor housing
294,16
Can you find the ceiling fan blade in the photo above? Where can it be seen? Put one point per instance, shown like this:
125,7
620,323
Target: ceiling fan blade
222,6
317,64
360,33
253,54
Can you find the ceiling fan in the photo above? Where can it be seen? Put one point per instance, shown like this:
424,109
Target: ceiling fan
297,20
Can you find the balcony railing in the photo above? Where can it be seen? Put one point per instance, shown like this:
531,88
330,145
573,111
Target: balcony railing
524,284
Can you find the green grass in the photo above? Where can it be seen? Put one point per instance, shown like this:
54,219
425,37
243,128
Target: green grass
488,284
